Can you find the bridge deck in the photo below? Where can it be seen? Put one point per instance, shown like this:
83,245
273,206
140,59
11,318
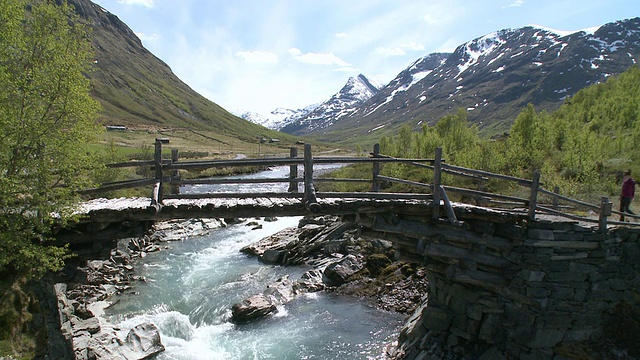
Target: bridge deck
140,209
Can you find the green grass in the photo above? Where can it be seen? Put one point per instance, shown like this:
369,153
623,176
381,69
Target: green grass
141,141
25,348
192,145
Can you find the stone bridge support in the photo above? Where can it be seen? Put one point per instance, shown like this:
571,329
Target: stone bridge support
502,287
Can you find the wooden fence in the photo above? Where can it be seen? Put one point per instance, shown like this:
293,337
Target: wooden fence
167,173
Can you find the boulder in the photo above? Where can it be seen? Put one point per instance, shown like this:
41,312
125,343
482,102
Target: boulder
339,272
142,342
336,246
252,308
90,325
273,256
276,242
80,345
310,281
281,291
277,293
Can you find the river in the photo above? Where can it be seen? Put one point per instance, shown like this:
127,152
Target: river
191,287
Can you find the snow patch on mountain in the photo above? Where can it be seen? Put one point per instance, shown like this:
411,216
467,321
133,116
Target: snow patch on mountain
563,33
356,91
278,118
479,47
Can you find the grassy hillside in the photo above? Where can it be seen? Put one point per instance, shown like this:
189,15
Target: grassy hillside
138,90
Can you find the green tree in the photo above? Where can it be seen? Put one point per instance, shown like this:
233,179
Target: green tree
458,137
404,143
47,117
525,142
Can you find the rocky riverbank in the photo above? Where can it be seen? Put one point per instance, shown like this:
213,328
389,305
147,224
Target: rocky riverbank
341,262
82,300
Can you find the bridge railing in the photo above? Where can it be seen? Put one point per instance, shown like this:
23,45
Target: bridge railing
531,205
167,173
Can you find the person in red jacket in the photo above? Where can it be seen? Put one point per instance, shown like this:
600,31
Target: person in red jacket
628,192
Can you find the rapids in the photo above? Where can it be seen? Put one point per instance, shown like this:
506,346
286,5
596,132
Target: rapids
191,287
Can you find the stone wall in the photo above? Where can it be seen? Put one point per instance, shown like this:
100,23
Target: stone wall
513,290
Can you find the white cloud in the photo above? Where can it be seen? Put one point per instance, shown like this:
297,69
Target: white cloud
412,46
145,3
516,3
147,37
399,50
440,14
317,58
430,19
347,69
390,51
449,45
341,35
258,57
294,52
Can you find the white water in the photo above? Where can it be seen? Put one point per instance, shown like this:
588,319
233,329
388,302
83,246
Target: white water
192,286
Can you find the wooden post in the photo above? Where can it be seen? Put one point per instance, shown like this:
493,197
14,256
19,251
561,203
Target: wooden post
293,171
480,187
156,197
605,210
437,180
310,200
556,190
157,191
175,175
447,205
375,184
533,197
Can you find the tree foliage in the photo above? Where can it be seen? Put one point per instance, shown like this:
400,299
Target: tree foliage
47,117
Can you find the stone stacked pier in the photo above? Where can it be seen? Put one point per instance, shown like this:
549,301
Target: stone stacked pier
503,288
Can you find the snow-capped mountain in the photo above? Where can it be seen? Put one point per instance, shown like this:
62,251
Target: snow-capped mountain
278,118
493,77
356,91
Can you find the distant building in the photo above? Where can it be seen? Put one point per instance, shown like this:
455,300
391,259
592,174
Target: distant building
116,128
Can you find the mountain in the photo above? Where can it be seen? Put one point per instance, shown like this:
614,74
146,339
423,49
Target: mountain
278,118
493,77
356,91
137,89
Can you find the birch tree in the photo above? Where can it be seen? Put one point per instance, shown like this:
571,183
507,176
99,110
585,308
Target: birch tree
47,118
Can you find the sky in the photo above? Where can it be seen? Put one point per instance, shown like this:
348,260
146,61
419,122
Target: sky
259,55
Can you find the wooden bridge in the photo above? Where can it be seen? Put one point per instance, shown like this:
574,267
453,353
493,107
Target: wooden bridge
519,273
301,198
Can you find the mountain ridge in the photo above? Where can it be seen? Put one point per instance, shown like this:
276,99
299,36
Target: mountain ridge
138,89
356,91
493,77
278,118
